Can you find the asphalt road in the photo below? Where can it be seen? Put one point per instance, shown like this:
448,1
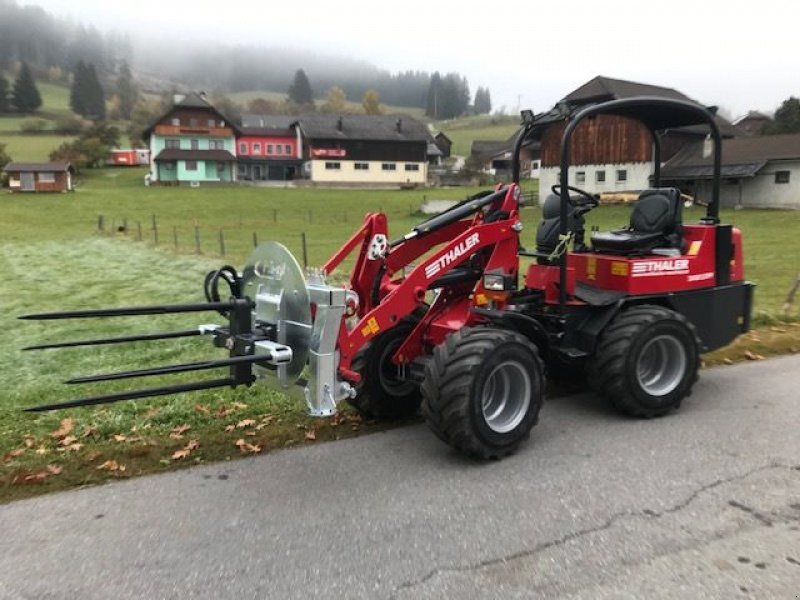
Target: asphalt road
702,504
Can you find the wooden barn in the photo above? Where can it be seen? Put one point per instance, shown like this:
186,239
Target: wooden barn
39,177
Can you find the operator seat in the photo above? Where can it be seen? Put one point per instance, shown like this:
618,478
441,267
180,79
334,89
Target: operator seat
550,227
656,222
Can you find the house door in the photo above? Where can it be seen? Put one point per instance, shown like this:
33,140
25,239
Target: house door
26,182
257,172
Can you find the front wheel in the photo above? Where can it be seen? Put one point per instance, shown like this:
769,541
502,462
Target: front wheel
483,391
646,362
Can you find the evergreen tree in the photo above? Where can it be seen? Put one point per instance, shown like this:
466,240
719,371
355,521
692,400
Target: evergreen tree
372,103
77,92
434,91
95,97
483,101
25,96
300,91
5,105
787,118
126,91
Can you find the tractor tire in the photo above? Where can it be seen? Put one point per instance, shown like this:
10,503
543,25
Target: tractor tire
381,394
646,361
483,390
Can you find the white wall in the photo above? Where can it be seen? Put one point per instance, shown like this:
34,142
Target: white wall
638,177
760,191
347,172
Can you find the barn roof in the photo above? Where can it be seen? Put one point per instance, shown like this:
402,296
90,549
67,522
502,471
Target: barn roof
741,157
395,128
29,167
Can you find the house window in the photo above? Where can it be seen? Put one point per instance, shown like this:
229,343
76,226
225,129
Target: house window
172,144
782,176
219,145
622,175
278,149
580,177
195,144
242,148
256,148
287,149
211,123
362,166
47,177
220,169
176,122
333,166
269,149
412,167
600,176
388,167
191,165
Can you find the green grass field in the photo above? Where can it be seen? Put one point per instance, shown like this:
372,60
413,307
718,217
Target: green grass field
483,127
52,257
32,147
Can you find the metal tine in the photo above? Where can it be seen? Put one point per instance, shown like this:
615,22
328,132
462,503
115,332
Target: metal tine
167,335
131,311
170,369
138,394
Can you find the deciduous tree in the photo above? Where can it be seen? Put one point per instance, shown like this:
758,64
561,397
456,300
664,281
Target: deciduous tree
372,103
335,101
787,118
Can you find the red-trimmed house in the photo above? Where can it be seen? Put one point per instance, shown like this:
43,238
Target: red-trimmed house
269,148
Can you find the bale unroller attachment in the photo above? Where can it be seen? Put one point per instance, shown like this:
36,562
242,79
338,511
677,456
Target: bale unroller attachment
269,336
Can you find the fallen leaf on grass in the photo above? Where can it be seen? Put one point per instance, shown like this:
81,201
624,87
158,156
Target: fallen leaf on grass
70,448
202,408
93,456
89,431
118,437
13,454
245,423
311,435
67,425
777,329
181,454
181,429
29,441
111,465
193,445
230,427
753,356
41,450
246,448
67,441
239,405
54,469
727,361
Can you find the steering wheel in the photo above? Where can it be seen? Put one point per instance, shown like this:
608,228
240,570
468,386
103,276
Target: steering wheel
584,197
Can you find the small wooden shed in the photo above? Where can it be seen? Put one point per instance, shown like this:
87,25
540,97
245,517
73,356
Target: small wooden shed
39,177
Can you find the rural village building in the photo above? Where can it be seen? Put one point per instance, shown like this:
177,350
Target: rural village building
611,153
753,123
757,171
496,156
365,149
192,143
39,177
444,144
269,148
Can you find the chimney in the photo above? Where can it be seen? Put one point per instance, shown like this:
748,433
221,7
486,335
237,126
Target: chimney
339,124
399,125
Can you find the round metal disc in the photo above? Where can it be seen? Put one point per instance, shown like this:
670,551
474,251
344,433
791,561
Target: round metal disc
274,280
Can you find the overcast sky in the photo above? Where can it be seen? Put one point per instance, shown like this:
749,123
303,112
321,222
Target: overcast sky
738,55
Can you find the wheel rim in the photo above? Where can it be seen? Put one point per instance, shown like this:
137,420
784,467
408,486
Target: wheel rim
506,397
661,365
390,380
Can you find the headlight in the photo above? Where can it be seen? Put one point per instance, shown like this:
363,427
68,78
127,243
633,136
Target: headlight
494,283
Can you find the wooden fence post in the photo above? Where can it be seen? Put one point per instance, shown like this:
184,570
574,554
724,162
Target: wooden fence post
255,240
787,305
139,230
305,249
155,231
100,222
175,236
197,239
221,243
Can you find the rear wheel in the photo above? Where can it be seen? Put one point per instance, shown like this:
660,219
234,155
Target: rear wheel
483,391
646,362
382,393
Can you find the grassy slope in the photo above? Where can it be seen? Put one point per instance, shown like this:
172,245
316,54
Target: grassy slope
484,127
52,258
26,147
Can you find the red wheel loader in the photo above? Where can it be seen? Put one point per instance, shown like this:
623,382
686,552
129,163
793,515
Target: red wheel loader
442,319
